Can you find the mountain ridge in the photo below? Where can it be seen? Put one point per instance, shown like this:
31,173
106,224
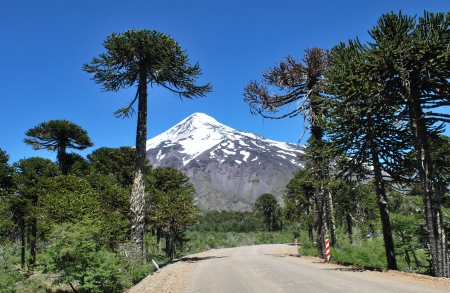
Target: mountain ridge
229,168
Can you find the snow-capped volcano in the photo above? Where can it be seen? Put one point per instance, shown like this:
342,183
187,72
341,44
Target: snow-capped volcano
199,132
223,163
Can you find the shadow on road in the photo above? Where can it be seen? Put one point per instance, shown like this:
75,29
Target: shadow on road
192,259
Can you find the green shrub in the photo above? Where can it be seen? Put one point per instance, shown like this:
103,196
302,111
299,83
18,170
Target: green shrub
77,257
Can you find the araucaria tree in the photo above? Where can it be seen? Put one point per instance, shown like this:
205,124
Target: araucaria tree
140,58
415,57
364,128
302,85
171,205
403,77
58,135
266,205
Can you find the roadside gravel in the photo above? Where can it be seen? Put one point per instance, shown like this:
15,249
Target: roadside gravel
173,277
176,277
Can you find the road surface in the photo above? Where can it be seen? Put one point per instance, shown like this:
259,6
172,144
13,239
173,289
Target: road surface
276,268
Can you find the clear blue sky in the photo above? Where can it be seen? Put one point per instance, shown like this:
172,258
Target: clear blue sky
45,43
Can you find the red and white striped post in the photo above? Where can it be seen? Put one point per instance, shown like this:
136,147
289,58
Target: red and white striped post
296,243
327,249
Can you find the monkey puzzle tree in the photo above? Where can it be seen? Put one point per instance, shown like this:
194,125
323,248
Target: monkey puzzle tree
266,205
114,162
366,129
139,58
298,199
28,177
171,205
6,172
304,86
415,58
58,135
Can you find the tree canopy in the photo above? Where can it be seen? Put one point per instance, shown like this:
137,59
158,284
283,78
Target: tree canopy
139,58
58,135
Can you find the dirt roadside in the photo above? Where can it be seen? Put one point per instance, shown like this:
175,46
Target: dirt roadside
175,277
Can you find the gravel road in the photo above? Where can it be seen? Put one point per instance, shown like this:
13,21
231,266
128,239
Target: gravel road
276,268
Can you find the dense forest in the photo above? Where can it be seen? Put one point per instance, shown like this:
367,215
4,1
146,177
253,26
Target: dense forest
376,174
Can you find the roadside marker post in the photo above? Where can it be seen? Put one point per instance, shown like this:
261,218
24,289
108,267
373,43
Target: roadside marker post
327,249
296,243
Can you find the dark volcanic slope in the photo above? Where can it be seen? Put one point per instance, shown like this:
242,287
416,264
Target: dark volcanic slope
229,168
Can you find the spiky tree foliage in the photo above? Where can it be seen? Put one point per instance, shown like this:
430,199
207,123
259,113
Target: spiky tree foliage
440,156
6,172
28,177
171,205
139,58
58,135
77,257
114,162
6,183
302,86
413,56
364,127
298,200
355,205
266,205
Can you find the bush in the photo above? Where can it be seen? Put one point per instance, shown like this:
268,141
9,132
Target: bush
77,257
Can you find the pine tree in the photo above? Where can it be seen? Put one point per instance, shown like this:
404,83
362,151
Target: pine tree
414,57
171,208
304,86
140,58
58,135
28,177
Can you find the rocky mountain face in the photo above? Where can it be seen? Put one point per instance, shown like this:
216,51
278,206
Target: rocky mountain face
229,168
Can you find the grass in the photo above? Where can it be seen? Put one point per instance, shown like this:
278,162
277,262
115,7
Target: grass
368,253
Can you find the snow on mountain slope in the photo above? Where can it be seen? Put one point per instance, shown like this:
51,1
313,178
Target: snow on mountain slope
229,168
200,132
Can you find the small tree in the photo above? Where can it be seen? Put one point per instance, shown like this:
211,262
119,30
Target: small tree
79,259
58,135
299,200
139,58
266,205
303,86
171,205
28,177
6,172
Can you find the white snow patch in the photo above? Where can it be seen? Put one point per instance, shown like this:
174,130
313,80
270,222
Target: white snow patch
284,157
246,155
237,161
228,152
256,158
287,153
231,145
199,132
241,142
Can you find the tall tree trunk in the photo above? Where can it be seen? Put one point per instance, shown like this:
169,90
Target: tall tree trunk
382,202
318,192
349,220
330,219
61,156
33,241
138,190
23,245
310,227
430,196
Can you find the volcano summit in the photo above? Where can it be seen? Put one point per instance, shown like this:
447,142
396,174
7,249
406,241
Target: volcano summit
229,168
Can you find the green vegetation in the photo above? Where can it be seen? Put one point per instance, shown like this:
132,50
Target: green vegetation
83,225
140,58
58,135
374,109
